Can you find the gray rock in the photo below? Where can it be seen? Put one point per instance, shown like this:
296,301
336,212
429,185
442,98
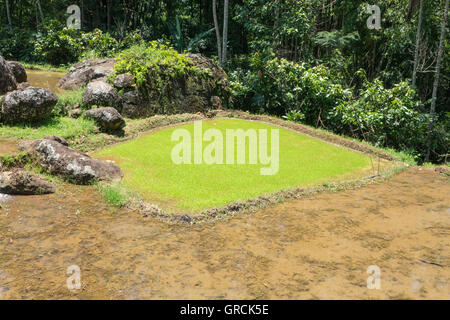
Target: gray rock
7,79
100,93
27,106
124,81
18,70
83,73
68,163
19,182
108,119
132,102
188,93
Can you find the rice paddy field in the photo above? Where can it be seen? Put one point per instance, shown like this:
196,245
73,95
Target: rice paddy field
303,162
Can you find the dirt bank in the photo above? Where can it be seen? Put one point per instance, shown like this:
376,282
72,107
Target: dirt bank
311,248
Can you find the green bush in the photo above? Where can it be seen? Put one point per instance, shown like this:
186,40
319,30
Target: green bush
17,45
57,45
281,87
385,117
97,44
146,63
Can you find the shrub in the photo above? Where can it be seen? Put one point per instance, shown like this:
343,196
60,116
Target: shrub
385,117
97,44
17,45
57,45
281,87
152,64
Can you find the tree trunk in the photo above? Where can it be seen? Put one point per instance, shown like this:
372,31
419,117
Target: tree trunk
8,14
216,26
416,53
436,78
40,10
225,31
108,9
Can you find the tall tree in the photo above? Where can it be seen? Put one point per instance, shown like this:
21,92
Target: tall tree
225,31
216,26
108,13
436,77
8,14
41,14
416,53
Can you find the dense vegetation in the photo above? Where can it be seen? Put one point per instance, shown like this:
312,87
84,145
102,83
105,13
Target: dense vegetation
312,61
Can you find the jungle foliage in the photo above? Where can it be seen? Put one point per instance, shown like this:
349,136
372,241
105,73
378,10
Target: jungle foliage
312,61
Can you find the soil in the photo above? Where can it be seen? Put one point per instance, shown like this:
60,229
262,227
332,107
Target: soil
314,248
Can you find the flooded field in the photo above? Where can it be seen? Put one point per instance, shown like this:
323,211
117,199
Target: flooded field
316,248
45,79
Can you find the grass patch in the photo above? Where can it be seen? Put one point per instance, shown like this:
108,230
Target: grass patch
63,127
114,194
68,99
434,166
304,161
44,67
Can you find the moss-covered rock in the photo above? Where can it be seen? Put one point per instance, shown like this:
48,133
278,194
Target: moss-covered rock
166,82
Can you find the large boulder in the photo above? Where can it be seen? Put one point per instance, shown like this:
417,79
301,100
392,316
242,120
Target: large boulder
18,70
101,94
7,79
27,106
70,164
82,73
108,119
192,92
19,182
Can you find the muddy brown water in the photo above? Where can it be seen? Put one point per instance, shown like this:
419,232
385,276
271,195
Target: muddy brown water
45,79
313,248
8,146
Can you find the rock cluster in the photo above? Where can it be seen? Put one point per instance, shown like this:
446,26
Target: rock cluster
192,93
22,103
